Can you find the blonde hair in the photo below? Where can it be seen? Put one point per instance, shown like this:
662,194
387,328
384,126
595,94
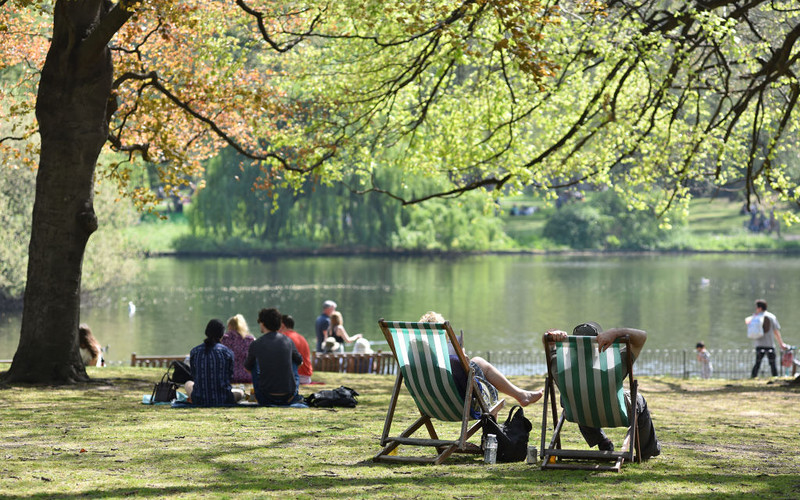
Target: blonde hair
336,319
239,325
432,317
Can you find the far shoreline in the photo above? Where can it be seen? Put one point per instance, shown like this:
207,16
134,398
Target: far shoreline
362,252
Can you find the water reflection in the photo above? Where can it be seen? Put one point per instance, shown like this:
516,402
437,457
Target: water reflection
501,302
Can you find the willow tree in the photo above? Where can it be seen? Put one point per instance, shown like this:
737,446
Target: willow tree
646,97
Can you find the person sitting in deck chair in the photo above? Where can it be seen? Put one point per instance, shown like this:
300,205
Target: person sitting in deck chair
485,372
650,447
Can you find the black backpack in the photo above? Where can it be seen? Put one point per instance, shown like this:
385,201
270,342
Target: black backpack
341,396
181,372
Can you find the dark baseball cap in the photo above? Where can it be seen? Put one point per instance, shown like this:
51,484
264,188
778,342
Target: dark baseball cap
590,328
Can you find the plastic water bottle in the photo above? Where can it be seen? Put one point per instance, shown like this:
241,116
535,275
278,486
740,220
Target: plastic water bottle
533,455
490,449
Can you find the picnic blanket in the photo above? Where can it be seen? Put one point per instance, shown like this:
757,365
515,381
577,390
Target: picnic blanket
181,401
243,404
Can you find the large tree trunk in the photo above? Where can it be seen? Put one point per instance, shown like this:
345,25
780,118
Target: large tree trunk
72,112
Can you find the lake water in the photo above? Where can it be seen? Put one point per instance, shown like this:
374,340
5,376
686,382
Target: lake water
501,302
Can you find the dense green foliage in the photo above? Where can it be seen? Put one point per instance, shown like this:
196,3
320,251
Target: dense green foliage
15,208
606,223
111,259
229,208
228,213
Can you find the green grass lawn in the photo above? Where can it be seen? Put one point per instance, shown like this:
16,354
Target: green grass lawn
156,235
720,439
716,216
713,224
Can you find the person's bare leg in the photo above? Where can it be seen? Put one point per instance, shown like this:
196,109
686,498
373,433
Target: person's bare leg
188,387
502,384
238,395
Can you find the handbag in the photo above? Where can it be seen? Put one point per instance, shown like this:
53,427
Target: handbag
164,391
512,436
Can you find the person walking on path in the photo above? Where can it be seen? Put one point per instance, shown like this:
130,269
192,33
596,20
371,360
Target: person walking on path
766,343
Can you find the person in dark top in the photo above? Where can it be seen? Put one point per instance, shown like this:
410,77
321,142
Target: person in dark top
339,333
270,359
212,369
323,323
650,446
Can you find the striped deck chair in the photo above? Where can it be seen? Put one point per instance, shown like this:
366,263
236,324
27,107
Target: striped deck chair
590,384
421,351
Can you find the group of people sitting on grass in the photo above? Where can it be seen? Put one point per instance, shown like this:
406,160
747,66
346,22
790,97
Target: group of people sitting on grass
272,362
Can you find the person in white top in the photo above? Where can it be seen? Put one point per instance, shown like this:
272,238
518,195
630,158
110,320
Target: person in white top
91,352
766,344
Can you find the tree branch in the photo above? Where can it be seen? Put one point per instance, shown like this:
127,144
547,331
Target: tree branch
109,25
151,79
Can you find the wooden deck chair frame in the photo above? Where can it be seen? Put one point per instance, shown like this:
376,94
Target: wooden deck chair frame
444,448
554,457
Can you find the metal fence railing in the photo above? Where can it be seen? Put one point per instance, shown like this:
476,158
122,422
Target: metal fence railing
682,363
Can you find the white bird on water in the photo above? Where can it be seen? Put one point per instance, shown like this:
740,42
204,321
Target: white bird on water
131,308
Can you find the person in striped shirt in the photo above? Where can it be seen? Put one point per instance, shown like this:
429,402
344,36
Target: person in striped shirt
212,369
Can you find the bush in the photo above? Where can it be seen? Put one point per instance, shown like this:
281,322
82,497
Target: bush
605,222
460,225
109,259
579,226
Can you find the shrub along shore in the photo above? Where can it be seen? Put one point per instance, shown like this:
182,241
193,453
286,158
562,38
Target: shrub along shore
720,439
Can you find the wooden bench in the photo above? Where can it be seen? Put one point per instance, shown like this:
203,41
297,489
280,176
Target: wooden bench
382,363
155,361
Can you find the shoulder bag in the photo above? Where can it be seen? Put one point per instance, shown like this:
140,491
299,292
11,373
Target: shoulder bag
163,391
512,436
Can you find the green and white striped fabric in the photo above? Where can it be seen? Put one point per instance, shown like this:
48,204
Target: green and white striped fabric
591,382
421,350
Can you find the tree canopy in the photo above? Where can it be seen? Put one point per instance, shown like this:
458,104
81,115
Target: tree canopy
649,97
488,93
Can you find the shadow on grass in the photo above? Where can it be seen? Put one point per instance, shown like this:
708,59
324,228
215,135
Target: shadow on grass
444,481
680,387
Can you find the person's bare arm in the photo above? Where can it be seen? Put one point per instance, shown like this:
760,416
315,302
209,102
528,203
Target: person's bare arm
778,337
638,338
347,338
